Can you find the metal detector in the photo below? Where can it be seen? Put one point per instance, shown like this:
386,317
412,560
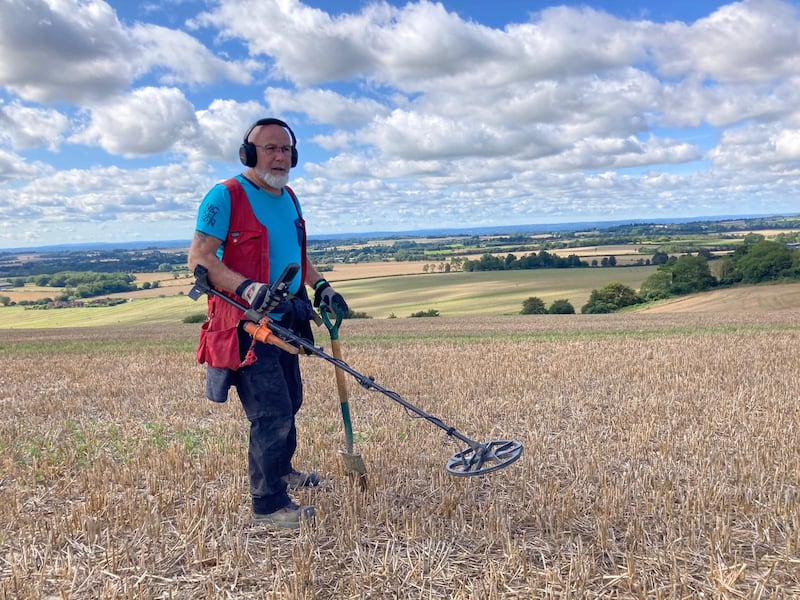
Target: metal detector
477,459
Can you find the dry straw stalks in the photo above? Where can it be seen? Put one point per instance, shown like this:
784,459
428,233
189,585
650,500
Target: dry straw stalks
662,460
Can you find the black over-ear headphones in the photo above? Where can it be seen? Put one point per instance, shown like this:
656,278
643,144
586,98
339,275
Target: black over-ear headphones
247,151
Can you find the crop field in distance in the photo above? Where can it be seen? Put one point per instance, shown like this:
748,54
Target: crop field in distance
661,460
398,295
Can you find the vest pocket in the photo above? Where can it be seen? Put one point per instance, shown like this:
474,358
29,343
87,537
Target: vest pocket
246,245
219,348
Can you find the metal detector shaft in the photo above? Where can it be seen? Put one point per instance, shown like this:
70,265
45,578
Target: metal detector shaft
366,381
478,459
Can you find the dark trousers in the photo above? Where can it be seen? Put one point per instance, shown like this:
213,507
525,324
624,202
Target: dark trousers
271,393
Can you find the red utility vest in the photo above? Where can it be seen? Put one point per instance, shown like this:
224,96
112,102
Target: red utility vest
247,253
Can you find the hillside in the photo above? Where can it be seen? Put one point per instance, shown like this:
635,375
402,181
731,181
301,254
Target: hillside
745,299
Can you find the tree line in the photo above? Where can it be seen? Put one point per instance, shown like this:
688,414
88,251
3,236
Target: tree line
77,285
534,260
98,261
757,260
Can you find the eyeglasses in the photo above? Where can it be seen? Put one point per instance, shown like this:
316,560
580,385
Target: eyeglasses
273,149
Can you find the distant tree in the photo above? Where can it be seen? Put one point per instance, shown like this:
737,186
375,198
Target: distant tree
431,312
726,271
752,238
561,307
657,286
764,261
533,306
691,274
659,257
610,298
58,280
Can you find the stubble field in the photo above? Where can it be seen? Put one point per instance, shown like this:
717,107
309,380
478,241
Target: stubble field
662,460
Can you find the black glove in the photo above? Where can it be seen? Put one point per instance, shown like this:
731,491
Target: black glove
257,295
325,294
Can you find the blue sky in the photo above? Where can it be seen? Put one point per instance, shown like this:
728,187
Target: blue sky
116,118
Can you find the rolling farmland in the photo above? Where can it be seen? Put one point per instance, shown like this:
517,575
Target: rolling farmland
379,296
662,460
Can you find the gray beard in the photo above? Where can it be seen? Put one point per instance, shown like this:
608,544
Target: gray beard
274,181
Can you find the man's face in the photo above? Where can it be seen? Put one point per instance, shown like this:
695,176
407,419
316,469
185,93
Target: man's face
274,152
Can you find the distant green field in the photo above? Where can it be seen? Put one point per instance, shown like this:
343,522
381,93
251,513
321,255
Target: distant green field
481,293
152,310
452,294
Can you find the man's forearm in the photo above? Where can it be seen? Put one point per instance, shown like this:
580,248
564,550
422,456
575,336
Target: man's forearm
203,251
312,275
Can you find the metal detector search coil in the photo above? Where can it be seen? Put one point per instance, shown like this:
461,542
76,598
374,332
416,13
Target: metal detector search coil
477,459
484,458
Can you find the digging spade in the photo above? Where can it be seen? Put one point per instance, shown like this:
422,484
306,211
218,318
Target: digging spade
353,463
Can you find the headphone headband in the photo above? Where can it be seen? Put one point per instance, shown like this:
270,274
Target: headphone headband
247,151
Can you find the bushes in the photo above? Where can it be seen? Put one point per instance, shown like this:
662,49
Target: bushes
561,307
432,312
535,306
765,261
195,318
610,298
355,314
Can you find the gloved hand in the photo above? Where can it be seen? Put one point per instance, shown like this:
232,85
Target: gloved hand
325,294
257,295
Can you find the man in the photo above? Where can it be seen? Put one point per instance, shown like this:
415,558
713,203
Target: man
249,228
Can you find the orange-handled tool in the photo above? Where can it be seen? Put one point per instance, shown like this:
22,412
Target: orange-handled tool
261,332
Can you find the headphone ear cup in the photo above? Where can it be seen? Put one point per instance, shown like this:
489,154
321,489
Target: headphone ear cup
247,154
294,157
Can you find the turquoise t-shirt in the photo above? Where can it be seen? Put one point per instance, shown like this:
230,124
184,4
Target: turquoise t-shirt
278,213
